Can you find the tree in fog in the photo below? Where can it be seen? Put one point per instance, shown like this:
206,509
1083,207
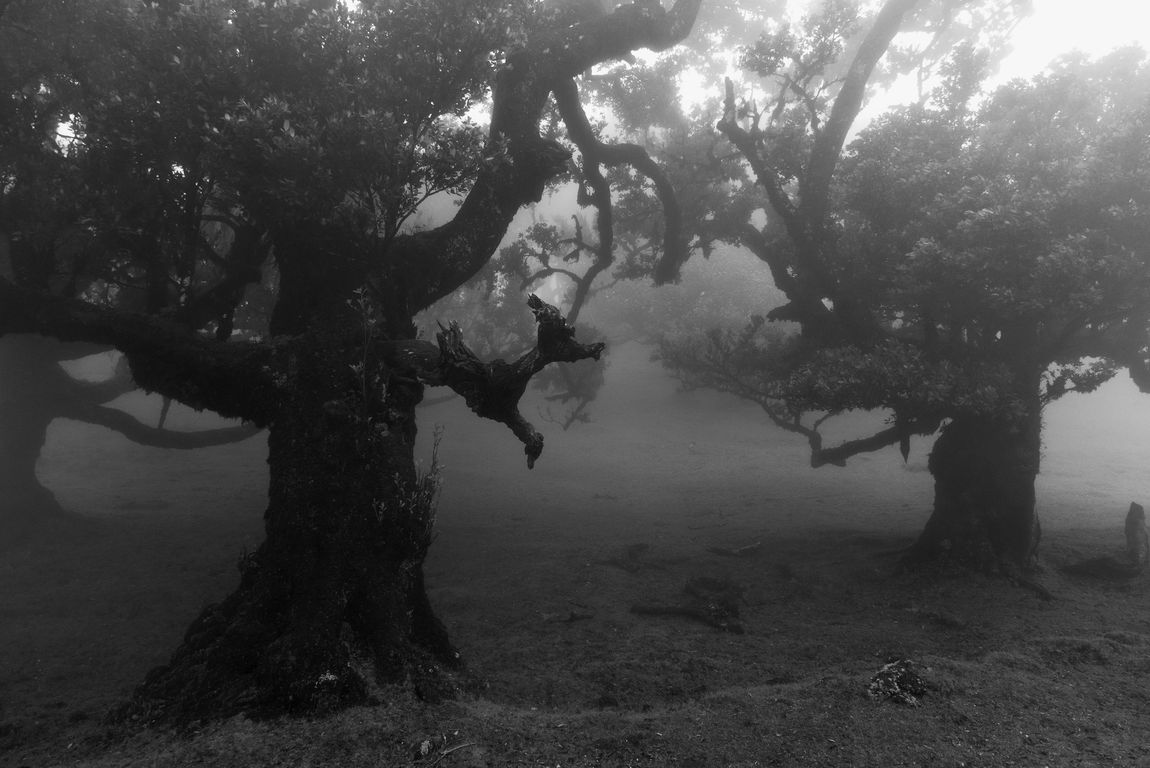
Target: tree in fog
958,265
109,222
35,390
311,133
649,191
644,106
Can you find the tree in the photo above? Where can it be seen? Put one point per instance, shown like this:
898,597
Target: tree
61,238
958,267
642,171
324,129
639,171
35,390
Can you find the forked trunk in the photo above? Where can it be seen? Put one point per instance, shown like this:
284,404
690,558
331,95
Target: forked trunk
984,502
333,602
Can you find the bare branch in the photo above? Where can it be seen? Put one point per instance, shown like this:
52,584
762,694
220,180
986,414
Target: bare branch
493,389
78,350
543,274
452,253
241,266
765,175
815,184
899,433
138,432
675,250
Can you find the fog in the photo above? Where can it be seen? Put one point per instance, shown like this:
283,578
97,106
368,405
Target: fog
644,427
673,582
539,574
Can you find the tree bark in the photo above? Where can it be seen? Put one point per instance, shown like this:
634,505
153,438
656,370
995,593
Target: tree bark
25,367
333,602
984,502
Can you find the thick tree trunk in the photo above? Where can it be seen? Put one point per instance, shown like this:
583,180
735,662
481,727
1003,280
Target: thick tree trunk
25,370
984,503
334,600
333,603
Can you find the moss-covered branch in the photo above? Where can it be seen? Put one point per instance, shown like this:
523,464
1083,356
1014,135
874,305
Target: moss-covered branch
237,380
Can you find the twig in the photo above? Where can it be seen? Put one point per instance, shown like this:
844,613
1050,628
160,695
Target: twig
444,753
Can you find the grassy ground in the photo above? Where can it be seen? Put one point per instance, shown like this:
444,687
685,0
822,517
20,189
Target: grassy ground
536,573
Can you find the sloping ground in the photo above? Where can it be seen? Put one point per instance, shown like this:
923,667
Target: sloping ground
536,574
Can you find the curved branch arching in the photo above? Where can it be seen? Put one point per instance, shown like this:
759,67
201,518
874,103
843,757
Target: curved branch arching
899,434
597,153
493,389
139,432
70,398
454,252
236,380
805,216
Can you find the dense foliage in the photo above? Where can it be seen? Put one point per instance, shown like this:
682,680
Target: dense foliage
234,194
964,261
972,236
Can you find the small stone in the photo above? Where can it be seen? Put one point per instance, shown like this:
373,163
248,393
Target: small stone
899,682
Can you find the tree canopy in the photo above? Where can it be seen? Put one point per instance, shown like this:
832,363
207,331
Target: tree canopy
225,191
962,262
241,197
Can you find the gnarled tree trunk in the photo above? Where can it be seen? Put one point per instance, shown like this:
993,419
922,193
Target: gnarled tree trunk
333,602
984,501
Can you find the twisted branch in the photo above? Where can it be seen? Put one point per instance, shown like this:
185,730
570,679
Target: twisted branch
493,389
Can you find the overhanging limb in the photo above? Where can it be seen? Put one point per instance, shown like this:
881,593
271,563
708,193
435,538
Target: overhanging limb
493,389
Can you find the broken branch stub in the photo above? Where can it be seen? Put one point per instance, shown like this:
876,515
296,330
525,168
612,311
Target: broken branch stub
556,339
493,390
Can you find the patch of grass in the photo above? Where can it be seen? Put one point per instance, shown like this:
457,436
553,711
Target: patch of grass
1010,680
1074,650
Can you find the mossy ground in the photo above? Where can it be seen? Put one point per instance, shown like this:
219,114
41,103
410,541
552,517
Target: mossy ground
525,574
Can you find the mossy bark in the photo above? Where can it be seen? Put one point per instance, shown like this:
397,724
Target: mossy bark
984,500
334,600
333,603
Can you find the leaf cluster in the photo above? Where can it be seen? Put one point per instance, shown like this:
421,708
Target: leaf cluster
1015,227
964,257
152,151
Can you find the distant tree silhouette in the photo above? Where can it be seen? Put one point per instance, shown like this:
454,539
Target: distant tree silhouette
956,265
